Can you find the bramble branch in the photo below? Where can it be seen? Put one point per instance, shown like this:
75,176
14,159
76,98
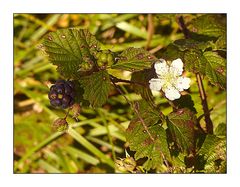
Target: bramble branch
115,80
203,96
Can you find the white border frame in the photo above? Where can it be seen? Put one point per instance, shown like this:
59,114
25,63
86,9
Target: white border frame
115,6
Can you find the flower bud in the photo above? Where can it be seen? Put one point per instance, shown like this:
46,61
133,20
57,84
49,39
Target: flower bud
60,125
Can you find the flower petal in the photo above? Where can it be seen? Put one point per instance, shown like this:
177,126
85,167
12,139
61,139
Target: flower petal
172,93
155,84
161,67
177,67
183,83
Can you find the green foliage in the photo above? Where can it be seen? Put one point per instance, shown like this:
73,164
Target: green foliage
213,153
209,25
96,88
143,77
181,126
71,50
195,61
221,130
156,149
208,63
208,34
215,69
185,101
134,59
188,44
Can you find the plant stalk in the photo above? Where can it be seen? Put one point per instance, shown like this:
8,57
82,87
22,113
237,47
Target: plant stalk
203,96
115,79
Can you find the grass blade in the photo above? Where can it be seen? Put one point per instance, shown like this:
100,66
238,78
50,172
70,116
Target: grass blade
48,167
84,142
82,155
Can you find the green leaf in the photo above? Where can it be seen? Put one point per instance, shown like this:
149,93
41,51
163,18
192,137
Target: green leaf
187,44
134,59
143,77
208,63
140,141
170,53
71,50
221,42
96,88
216,69
185,101
194,61
181,127
221,130
210,25
213,154
209,144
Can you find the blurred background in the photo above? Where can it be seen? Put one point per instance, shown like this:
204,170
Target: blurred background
39,149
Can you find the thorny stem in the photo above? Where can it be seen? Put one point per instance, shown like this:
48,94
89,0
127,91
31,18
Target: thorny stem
208,121
136,110
67,114
120,91
115,79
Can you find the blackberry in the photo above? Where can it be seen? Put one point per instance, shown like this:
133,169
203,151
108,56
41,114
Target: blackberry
62,94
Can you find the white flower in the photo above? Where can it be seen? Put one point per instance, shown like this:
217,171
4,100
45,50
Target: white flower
169,79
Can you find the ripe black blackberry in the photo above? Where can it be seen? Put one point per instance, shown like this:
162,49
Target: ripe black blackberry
62,94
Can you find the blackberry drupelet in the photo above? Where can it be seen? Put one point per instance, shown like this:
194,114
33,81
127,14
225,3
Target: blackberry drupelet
62,94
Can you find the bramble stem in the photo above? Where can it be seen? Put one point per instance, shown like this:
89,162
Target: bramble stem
136,109
115,79
208,121
203,96
67,113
